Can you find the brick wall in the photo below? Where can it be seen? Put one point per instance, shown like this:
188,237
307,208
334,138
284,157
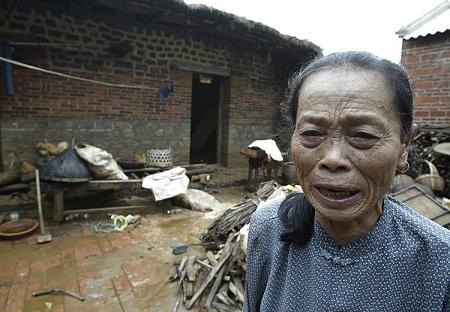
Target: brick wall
125,121
427,60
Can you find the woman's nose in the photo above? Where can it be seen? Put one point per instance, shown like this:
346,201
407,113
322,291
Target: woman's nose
334,158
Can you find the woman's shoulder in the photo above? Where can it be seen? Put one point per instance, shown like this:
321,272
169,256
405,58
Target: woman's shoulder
419,226
265,217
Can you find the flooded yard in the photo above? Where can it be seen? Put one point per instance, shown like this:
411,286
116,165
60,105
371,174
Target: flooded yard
121,271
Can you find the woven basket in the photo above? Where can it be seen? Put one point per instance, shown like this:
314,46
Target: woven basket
433,180
160,158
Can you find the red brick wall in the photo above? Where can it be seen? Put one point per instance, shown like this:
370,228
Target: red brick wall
427,60
255,84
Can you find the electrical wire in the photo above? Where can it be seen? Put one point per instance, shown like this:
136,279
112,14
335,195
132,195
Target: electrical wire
108,84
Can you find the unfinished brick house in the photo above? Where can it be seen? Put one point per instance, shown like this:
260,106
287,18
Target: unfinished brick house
426,57
201,81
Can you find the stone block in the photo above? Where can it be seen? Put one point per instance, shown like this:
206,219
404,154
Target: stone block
103,124
159,132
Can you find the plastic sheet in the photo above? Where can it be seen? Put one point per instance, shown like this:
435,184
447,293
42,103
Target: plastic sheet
167,184
66,166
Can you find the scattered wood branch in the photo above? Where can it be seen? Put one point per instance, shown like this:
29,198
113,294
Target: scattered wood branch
216,282
213,286
233,219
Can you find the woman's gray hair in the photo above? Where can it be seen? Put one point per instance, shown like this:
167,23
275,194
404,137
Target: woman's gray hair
395,75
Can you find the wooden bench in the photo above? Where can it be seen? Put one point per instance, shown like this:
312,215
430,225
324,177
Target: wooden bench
58,189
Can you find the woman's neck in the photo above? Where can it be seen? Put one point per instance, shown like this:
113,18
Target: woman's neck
343,232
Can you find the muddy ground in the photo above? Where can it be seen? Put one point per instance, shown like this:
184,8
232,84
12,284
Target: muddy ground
127,271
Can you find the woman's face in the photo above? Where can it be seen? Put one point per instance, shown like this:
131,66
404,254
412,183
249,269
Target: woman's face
346,144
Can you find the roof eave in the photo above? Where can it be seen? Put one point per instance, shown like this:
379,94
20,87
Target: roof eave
424,19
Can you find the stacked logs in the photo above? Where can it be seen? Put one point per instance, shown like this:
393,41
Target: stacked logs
422,149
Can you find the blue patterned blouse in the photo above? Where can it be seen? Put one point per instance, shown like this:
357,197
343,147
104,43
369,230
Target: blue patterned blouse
403,264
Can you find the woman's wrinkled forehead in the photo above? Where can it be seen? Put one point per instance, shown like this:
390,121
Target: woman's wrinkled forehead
344,86
338,95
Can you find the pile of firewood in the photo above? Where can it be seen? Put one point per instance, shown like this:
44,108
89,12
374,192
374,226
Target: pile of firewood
16,180
422,148
214,283
217,282
233,219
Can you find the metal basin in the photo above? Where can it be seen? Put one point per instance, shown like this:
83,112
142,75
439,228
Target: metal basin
18,229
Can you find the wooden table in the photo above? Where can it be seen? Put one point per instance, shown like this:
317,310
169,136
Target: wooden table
255,161
58,189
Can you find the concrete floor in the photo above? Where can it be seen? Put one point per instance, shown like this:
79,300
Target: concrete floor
114,272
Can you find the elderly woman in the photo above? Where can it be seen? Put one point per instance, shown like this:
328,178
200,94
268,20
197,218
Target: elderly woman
344,245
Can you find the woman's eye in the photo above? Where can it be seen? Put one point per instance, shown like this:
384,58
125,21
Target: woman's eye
364,135
311,134
311,138
362,140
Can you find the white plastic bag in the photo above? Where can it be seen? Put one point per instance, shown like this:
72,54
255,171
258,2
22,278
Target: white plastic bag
243,233
197,200
100,162
167,184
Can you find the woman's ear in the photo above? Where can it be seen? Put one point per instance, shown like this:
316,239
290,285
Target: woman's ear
403,158
411,137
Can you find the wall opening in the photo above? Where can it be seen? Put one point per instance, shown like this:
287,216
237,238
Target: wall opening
206,118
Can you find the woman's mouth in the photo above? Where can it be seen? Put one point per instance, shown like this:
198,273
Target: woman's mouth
337,196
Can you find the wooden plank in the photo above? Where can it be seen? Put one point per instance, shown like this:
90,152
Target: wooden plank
421,202
106,209
211,258
192,166
253,153
238,283
236,292
190,269
58,205
149,169
132,226
155,169
188,289
223,296
181,269
443,220
195,67
208,169
94,182
210,277
214,288
223,308
204,264
107,185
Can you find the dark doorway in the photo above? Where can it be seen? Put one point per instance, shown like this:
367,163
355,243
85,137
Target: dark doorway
205,118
